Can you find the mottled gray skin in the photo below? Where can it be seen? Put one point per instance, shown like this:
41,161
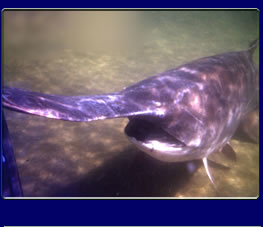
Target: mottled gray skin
178,115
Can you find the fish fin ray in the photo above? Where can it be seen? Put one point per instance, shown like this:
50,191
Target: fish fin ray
207,170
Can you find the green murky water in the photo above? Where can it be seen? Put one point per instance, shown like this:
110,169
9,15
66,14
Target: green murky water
81,53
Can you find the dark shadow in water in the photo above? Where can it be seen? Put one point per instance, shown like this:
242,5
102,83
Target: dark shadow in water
240,135
132,173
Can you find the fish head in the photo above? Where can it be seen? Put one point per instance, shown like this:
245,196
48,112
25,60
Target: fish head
192,123
157,142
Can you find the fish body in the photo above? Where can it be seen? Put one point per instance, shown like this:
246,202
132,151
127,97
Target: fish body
200,104
182,114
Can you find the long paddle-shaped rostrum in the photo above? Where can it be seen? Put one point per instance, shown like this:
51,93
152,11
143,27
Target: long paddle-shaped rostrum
182,114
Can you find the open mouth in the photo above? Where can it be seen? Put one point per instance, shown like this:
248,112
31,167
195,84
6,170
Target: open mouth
151,138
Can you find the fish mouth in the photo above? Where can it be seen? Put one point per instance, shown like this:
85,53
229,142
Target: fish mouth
149,137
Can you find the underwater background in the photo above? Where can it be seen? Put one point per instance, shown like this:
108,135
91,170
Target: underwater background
94,52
